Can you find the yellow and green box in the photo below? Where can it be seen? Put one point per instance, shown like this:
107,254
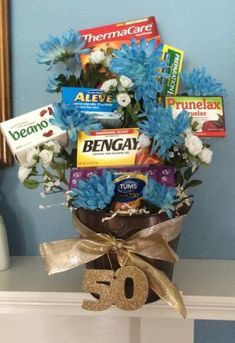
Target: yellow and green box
174,58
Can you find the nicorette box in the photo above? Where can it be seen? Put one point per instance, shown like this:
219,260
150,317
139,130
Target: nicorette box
206,111
115,35
31,129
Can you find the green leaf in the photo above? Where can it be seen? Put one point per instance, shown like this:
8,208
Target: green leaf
188,173
109,51
93,75
194,126
62,165
179,178
136,107
193,183
61,78
73,158
46,173
30,183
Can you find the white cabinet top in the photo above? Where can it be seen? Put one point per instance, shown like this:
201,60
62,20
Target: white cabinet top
208,288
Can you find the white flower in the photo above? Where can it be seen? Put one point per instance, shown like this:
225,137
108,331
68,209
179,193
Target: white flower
171,154
46,157
188,131
109,85
57,183
125,81
206,155
54,145
194,144
31,157
97,56
106,61
175,148
123,99
48,186
198,122
23,172
143,141
180,192
120,88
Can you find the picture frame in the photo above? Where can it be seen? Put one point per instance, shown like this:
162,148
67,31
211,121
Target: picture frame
5,96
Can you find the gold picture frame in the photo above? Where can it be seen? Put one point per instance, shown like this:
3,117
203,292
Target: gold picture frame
5,99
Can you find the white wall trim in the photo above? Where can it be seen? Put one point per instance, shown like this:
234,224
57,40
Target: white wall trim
58,303
208,287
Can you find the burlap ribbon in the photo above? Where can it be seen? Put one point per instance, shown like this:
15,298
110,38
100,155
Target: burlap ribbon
151,242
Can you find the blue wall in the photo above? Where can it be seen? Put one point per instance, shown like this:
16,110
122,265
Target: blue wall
214,332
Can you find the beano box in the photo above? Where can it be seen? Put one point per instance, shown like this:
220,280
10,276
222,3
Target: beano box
115,35
31,129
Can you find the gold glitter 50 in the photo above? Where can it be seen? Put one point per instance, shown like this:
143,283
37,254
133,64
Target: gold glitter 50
109,286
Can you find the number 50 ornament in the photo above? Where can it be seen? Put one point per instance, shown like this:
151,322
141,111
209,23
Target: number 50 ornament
109,285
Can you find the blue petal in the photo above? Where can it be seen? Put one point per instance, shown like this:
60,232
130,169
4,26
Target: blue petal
70,118
95,193
199,84
61,48
143,65
164,129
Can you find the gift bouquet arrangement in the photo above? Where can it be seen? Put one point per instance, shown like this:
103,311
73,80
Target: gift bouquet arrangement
123,145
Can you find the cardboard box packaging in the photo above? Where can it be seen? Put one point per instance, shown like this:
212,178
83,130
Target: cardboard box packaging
207,111
29,130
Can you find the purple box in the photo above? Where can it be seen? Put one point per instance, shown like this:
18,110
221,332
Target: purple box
165,175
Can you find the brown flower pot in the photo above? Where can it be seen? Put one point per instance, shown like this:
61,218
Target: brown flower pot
123,226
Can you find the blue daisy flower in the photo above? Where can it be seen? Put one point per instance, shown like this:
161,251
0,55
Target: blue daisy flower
164,129
199,84
143,65
70,118
160,196
94,193
60,49
52,84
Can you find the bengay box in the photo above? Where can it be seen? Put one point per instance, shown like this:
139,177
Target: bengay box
114,35
94,101
112,147
207,111
29,130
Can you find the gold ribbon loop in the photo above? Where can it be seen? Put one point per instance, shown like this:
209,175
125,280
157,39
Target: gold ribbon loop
159,283
151,242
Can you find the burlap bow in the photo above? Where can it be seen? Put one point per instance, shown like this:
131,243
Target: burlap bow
151,242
